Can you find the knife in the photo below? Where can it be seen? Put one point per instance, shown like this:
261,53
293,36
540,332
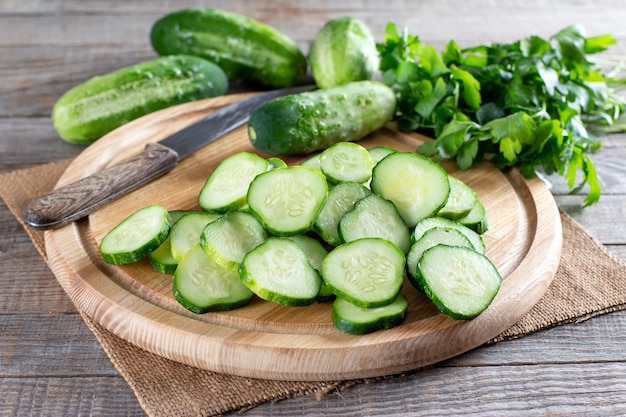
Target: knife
78,199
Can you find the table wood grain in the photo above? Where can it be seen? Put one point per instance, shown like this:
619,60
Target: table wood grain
51,364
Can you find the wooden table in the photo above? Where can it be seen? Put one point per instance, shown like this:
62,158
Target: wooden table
51,364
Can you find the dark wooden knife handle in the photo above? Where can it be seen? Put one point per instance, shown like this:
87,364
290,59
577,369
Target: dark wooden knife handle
78,199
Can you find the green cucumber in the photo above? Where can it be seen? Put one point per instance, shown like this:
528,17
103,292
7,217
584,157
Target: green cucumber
186,232
460,202
476,219
374,216
246,49
346,162
461,282
201,285
367,272
287,200
426,224
315,120
341,199
136,236
279,270
228,239
103,103
161,258
344,50
432,237
226,187
351,319
417,186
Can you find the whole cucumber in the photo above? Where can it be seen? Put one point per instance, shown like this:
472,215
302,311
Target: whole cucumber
307,122
246,49
103,103
344,50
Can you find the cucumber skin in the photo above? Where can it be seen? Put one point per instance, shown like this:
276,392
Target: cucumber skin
344,50
307,122
244,48
103,103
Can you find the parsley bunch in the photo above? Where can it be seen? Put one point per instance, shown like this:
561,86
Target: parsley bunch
530,103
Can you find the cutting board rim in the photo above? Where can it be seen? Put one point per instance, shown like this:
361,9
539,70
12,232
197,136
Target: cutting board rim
136,315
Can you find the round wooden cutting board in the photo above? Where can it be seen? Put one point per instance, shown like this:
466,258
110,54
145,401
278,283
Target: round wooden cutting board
266,340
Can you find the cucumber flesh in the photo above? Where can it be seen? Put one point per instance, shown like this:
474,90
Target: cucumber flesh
366,272
226,187
460,202
475,239
136,236
201,285
461,282
228,239
351,319
186,232
161,258
278,270
346,162
432,237
373,216
287,200
341,199
476,219
417,186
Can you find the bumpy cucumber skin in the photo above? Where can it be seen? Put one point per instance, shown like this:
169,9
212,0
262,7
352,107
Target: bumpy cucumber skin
307,122
103,103
344,50
246,49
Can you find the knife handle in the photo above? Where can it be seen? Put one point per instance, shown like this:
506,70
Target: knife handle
78,199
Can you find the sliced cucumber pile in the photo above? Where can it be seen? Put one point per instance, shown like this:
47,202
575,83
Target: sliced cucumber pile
346,225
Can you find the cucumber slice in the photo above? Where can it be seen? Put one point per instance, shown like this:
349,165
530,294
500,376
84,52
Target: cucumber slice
417,186
346,162
461,282
275,162
287,200
461,200
341,199
201,285
367,272
373,216
226,187
136,236
475,239
161,258
432,237
229,238
379,152
312,162
351,319
185,233
316,252
476,219
278,270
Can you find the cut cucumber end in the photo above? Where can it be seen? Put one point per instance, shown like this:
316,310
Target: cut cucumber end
351,319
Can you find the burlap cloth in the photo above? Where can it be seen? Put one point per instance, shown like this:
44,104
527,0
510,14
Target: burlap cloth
584,287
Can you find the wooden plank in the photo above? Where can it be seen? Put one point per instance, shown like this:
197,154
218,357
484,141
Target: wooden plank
56,344
598,219
566,390
63,396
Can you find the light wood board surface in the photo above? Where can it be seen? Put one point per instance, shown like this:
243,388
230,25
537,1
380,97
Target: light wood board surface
267,340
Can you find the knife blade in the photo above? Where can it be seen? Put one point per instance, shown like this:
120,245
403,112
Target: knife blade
81,198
